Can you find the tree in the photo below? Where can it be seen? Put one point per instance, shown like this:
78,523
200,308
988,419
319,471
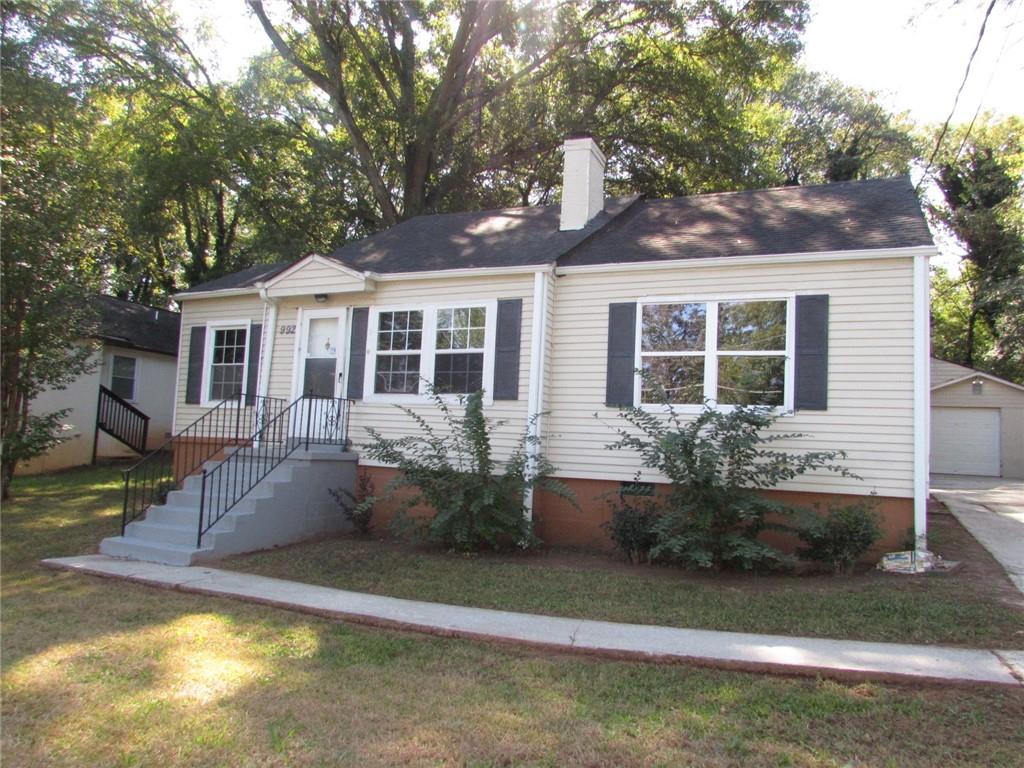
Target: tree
416,87
830,132
49,250
980,176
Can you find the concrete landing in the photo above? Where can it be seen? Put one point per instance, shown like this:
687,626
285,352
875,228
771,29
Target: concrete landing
841,659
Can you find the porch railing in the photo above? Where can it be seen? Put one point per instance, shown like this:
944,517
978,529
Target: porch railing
306,421
121,420
232,422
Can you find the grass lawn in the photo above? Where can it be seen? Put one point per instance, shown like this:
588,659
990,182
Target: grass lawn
105,673
974,605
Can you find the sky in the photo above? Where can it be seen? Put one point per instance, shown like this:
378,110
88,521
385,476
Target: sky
913,53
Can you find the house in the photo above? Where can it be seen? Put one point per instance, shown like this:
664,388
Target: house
813,300
124,406
977,422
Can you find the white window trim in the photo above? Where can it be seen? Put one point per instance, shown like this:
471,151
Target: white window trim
135,379
710,352
211,327
428,350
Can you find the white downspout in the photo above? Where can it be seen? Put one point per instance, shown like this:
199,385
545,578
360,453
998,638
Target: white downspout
269,326
922,398
535,397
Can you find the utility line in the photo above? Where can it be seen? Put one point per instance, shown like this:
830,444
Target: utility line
960,90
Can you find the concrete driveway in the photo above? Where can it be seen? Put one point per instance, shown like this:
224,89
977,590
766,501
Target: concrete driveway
992,509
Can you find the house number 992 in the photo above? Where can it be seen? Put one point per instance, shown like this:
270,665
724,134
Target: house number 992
287,330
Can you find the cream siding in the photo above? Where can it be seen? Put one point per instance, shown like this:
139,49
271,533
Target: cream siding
870,391
385,417
195,312
316,277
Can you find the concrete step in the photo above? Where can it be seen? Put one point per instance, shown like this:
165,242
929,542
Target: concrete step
174,514
179,535
152,552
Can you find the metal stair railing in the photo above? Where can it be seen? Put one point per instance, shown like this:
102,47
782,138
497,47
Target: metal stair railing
121,420
229,423
308,420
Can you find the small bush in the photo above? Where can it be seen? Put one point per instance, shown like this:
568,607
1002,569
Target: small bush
716,462
840,537
478,502
632,525
357,507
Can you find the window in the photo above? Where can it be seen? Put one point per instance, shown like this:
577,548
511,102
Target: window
729,352
459,349
399,341
227,363
449,346
122,377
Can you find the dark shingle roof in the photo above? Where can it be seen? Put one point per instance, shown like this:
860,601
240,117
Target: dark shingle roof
508,237
127,324
853,215
880,213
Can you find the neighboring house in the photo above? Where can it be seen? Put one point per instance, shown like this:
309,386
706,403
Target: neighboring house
977,422
132,377
813,300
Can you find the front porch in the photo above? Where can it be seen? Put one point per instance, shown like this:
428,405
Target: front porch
250,474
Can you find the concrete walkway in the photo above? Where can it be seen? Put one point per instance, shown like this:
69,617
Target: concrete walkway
992,509
841,659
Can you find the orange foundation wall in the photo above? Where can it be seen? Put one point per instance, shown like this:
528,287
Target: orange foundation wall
558,523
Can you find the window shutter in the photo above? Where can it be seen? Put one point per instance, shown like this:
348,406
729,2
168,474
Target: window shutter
196,350
252,373
357,353
621,354
811,389
506,349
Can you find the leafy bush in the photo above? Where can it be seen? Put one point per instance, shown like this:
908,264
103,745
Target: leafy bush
357,507
453,471
839,538
632,523
716,462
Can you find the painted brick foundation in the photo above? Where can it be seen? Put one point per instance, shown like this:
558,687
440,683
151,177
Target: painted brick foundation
558,523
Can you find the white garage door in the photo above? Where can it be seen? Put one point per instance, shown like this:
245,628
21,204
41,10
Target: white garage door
965,441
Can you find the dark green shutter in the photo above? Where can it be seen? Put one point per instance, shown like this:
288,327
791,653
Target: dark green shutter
621,354
196,351
811,353
357,353
506,349
251,380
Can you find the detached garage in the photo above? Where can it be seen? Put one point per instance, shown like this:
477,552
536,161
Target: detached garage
977,423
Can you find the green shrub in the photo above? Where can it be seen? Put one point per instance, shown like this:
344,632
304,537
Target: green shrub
716,462
452,470
357,507
840,537
632,524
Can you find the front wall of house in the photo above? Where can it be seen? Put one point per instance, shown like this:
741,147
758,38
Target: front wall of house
870,366
247,308
385,417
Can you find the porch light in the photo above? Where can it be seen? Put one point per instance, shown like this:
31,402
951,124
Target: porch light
976,386
320,297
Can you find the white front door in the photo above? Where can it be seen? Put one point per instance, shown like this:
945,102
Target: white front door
319,374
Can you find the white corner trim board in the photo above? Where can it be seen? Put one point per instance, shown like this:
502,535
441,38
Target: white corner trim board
535,396
922,397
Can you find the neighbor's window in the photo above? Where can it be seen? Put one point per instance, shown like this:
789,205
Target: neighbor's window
122,377
459,350
227,364
732,352
399,343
